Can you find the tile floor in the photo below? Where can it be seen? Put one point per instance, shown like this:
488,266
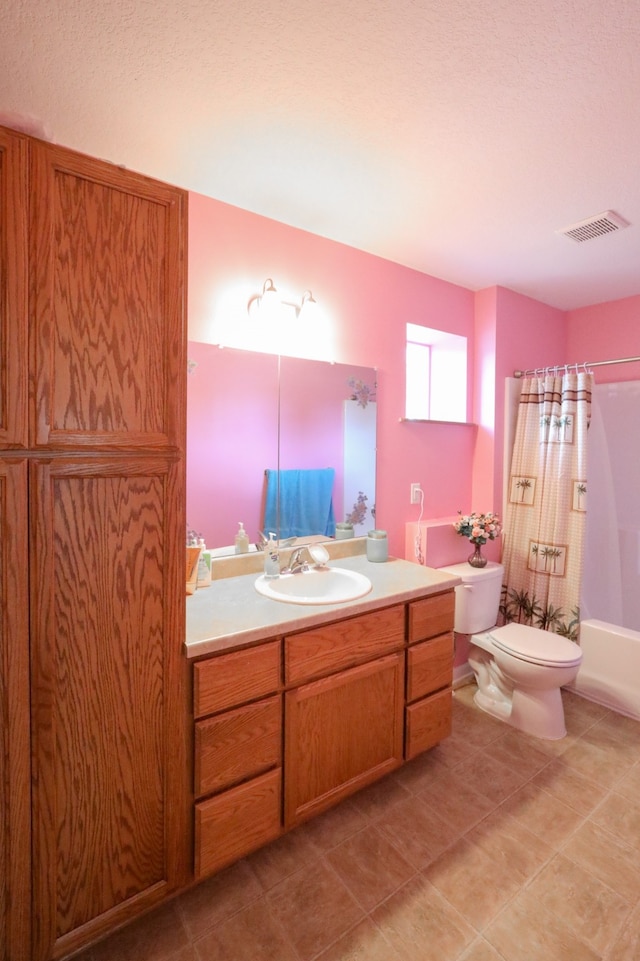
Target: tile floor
491,847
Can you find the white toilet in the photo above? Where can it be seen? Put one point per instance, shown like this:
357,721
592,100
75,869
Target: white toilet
519,669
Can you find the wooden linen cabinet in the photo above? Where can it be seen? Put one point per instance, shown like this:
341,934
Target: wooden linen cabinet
92,431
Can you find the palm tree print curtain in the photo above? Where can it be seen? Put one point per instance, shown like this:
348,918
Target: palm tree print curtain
546,503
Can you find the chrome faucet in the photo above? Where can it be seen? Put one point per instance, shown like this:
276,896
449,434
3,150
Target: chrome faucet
296,564
263,543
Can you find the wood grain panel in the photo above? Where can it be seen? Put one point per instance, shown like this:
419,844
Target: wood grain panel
107,304
231,679
429,666
430,616
333,647
428,722
237,822
341,733
237,745
15,837
13,290
106,691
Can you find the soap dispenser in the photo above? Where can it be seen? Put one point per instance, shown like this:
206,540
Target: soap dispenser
204,565
242,540
272,558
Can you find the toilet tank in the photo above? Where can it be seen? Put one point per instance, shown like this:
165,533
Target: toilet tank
477,598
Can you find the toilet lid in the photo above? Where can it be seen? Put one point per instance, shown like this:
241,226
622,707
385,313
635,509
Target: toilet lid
536,646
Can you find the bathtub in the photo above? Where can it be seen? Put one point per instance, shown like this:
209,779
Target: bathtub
610,669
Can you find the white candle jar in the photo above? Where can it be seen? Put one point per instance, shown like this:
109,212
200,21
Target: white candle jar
377,546
344,530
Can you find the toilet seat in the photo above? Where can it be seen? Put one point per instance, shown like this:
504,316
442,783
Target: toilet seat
535,646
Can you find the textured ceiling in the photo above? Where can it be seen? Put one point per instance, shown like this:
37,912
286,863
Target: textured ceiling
453,136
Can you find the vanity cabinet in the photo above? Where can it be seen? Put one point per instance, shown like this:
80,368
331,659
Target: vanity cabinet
429,672
95,797
237,754
287,728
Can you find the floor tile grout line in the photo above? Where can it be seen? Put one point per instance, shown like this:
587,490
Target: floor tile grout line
558,849
630,906
368,913
238,910
296,954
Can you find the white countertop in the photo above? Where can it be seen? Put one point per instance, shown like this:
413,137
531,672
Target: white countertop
230,613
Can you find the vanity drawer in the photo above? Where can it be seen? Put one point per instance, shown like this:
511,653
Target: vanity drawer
231,825
428,722
431,616
334,647
234,678
429,666
237,745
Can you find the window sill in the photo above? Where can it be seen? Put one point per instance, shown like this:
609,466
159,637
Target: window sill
418,420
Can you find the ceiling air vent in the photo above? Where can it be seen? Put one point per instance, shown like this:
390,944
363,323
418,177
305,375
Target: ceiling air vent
603,223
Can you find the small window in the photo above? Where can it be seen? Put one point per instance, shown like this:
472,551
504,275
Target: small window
436,368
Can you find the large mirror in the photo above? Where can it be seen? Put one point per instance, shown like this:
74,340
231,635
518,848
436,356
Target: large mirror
257,423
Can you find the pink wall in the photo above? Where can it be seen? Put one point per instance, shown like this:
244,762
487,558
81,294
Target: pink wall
606,332
371,300
512,332
528,334
484,495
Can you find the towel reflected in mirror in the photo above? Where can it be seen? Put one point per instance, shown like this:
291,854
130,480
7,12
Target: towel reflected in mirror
299,503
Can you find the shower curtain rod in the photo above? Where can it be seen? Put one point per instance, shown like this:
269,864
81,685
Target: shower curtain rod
595,363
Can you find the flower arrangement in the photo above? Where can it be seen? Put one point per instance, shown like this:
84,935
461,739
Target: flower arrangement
479,528
359,511
361,392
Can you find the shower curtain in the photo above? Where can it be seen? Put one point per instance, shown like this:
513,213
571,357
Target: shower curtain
546,503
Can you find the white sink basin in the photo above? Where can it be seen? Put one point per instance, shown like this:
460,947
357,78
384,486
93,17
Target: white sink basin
325,585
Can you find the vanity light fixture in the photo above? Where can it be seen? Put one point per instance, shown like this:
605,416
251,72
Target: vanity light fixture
308,304
268,302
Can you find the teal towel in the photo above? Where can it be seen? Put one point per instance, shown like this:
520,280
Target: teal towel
306,502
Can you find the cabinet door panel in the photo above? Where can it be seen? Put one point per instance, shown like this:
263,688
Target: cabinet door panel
13,289
107,304
15,866
109,764
342,733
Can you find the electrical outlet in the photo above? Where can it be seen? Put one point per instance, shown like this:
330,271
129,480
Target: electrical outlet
416,493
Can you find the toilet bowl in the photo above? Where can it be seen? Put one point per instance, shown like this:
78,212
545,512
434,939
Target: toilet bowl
519,669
